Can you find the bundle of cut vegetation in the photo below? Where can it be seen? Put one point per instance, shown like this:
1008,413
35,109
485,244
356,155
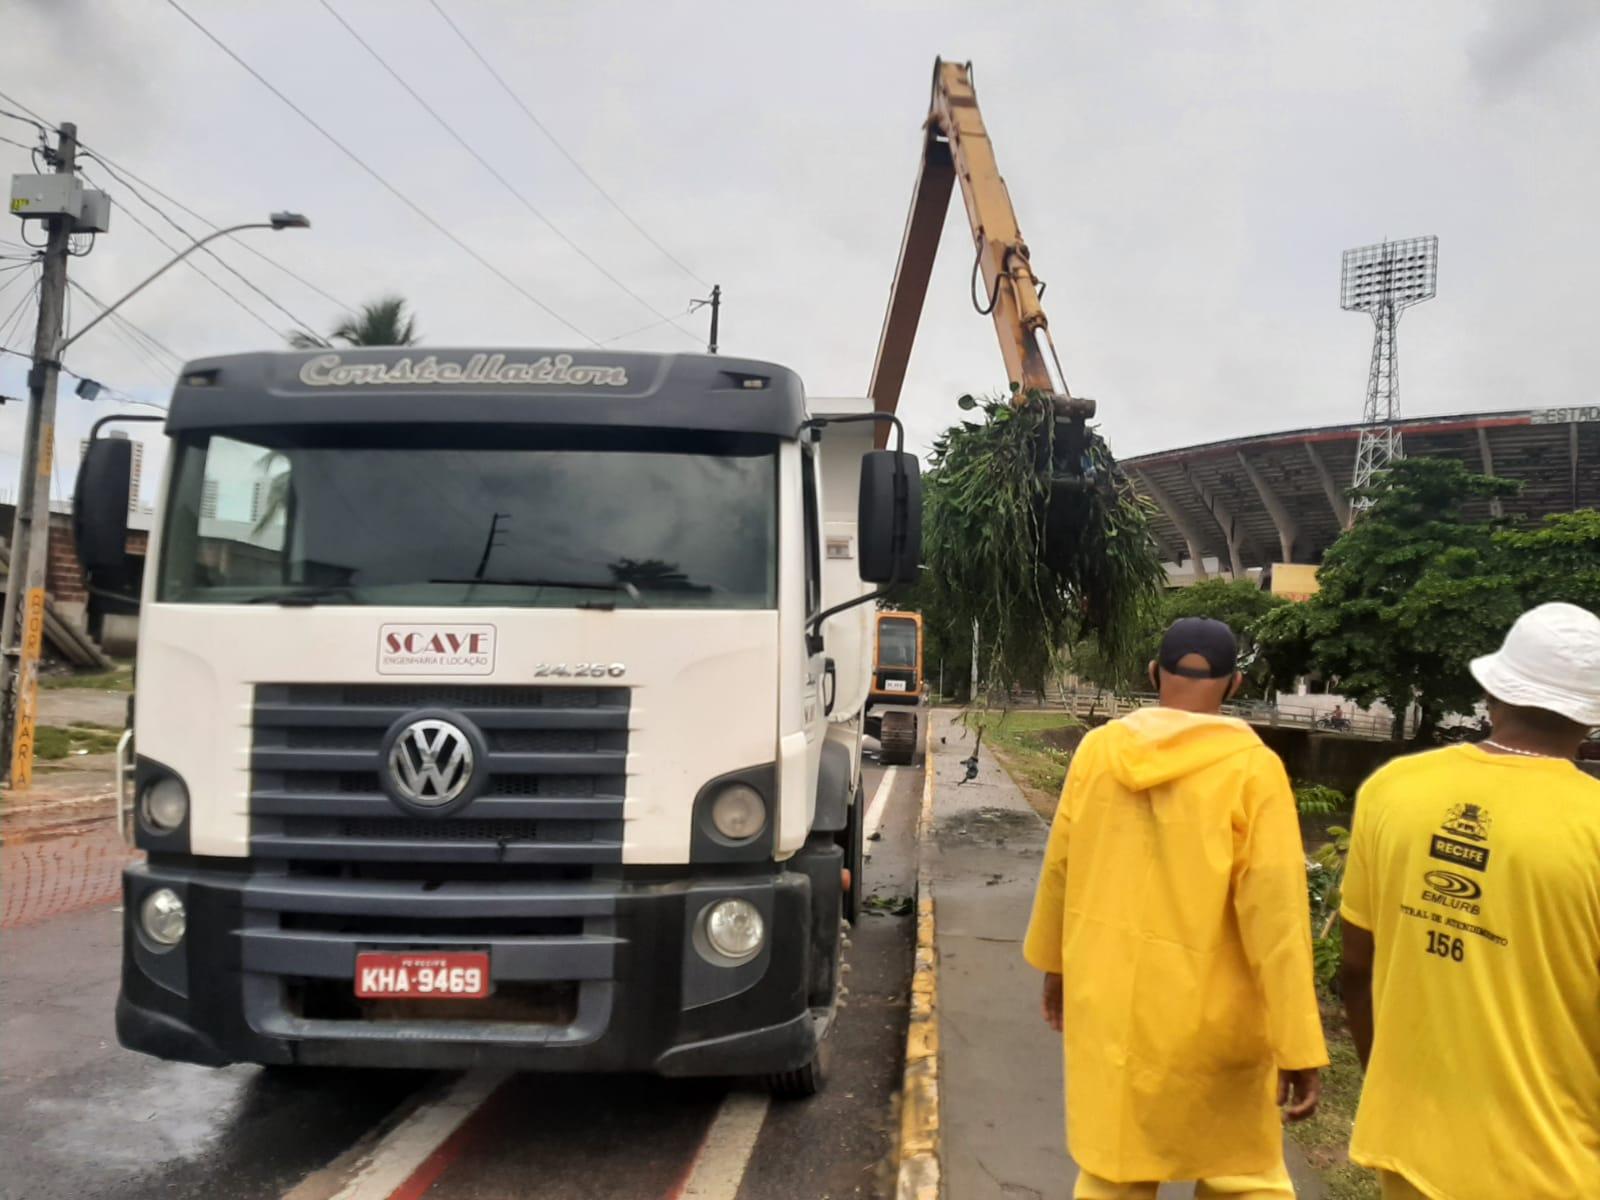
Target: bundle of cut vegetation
1038,566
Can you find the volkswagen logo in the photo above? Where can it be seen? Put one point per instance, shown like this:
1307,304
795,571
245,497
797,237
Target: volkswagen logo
431,763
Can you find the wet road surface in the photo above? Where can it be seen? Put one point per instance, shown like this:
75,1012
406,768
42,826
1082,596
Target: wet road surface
80,1116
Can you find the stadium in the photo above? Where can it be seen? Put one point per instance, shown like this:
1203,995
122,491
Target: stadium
1242,505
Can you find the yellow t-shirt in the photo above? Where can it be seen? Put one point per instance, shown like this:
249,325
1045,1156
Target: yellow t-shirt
1479,877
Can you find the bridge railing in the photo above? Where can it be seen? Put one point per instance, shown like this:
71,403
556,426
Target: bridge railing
1092,702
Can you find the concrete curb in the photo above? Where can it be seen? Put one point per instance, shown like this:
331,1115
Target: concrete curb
919,1149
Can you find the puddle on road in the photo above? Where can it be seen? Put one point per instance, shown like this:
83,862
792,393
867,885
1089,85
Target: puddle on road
991,826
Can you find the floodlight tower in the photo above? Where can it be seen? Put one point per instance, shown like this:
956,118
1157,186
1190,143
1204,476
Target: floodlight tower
1385,280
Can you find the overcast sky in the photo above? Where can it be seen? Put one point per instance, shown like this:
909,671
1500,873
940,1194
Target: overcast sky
1186,175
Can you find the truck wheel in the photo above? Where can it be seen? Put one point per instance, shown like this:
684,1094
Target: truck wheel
804,1082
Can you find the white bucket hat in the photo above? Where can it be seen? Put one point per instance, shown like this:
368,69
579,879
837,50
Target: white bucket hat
1550,660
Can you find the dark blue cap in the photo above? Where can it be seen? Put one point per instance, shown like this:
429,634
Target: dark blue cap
1211,640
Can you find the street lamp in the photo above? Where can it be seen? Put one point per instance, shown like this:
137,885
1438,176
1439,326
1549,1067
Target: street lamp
278,220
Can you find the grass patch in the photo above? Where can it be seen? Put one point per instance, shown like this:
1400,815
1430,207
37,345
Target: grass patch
118,680
1325,1138
54,742
1020,746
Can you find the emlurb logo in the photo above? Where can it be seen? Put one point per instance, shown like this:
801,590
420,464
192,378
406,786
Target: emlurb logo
1450,884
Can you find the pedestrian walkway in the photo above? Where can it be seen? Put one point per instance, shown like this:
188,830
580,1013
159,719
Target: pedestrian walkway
1001,1114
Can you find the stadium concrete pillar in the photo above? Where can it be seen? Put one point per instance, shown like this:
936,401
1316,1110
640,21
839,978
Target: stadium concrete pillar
1288,531
1497,509
1232,531
1337,500
1179,518
1572,458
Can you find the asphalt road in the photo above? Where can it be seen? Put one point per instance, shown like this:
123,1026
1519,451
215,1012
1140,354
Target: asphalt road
80,1116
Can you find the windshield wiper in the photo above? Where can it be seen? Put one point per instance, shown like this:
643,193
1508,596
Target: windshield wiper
609,585
301,597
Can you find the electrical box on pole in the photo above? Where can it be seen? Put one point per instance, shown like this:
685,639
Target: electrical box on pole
39,197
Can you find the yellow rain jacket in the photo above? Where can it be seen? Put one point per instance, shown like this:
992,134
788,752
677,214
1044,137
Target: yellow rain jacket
1173,900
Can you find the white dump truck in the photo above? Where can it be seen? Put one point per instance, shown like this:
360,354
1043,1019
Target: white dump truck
498,706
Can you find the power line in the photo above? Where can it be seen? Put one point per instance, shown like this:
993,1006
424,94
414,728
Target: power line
17,144
540,126
117,170
145,355
118,395
25,120
493,170
32,118
195,267
383,182
119,319
8,326
647,328
207,250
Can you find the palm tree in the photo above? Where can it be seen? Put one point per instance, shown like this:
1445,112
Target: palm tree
384,322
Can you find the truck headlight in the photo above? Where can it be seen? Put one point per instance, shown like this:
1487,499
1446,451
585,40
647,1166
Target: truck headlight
165,804
738,813
734,929
163,918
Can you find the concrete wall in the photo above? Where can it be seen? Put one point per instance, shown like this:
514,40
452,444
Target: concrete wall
1329,758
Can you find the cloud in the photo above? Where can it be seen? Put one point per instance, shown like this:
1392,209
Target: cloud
1523,36
1186,177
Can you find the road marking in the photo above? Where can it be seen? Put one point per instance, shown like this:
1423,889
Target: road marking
880,801
415,1152
719,1165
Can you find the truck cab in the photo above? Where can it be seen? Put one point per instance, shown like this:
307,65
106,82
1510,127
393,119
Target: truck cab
489,708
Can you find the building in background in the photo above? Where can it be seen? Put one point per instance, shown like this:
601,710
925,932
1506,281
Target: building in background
1235,507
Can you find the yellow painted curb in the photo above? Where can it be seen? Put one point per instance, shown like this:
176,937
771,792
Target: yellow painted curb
918,1156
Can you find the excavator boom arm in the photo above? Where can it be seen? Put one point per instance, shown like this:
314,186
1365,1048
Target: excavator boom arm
956,146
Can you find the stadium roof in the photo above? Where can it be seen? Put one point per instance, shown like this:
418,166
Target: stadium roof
1250,502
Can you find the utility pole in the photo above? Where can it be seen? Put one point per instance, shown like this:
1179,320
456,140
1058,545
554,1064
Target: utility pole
716,309
22,626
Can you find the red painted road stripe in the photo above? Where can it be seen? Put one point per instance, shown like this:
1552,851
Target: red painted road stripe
451,1149
410,1157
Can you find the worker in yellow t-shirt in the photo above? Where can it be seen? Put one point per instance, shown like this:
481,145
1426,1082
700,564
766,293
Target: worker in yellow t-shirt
1471,917
1171,923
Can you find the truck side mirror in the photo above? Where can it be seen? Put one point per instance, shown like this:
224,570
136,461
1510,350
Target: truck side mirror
100,511
889,519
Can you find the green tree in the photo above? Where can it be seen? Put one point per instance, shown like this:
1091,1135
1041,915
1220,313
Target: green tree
1557,559
1241,605
1407,596
384,322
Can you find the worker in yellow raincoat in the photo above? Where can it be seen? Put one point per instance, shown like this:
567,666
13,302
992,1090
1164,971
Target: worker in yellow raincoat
1172,925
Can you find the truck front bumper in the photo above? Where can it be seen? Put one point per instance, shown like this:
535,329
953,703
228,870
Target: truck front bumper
588,975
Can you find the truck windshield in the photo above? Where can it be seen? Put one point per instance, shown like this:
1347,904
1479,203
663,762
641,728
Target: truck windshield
337,517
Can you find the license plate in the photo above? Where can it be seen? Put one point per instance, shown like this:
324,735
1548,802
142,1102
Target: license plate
894,685
451,975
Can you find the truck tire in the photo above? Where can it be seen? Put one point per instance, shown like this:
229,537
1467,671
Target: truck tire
804,1082
897,740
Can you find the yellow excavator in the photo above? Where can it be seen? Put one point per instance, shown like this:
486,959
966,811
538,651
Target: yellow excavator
896,688
956,145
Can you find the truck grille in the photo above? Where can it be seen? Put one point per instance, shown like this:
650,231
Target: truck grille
556,770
